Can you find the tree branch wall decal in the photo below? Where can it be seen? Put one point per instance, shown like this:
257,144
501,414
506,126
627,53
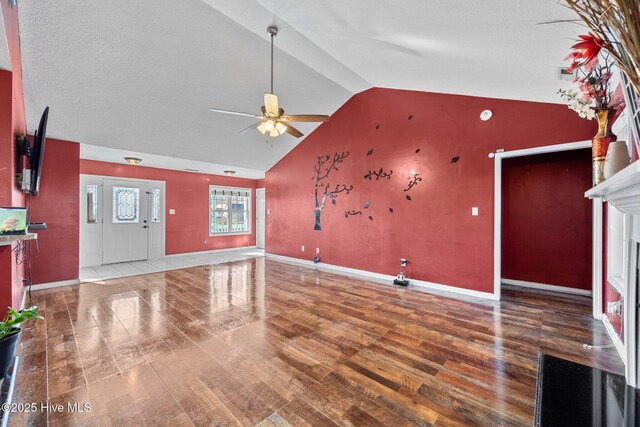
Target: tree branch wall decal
352,212
326,164
413,181
378,174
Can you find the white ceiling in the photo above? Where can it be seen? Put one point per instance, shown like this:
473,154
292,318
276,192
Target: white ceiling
114,155
141,75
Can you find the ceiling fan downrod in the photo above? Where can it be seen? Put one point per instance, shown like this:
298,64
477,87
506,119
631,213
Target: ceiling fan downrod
272,30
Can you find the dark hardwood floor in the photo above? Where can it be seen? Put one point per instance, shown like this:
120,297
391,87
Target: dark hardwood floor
263,342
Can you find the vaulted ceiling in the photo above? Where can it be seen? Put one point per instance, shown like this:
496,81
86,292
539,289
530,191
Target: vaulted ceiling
141,75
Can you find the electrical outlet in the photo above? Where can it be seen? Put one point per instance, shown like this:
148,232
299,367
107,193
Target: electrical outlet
302,248
268,211
474,211
205,242
317,251
172,211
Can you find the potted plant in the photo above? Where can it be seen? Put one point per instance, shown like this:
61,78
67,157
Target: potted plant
10,333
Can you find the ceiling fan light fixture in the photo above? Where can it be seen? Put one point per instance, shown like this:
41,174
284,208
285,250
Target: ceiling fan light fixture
133,160
262,129
269,125
281,128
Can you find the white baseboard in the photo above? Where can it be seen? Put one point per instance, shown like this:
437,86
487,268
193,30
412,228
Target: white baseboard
383,278
617,342
546,287
49,285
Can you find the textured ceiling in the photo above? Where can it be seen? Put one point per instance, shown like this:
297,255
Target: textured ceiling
141,75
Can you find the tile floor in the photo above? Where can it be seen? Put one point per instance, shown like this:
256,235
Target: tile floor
172,262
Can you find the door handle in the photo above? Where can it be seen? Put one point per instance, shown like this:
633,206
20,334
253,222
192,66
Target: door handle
145,226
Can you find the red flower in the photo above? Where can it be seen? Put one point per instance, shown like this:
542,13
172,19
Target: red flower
587,48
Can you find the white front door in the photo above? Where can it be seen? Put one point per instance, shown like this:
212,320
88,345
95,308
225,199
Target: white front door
260,219
125,225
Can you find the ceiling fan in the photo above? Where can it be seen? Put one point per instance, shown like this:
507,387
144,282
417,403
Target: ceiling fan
273,122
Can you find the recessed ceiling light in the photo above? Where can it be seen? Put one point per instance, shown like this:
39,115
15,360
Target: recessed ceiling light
229,172
133,160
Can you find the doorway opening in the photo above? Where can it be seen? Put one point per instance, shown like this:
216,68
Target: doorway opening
499,218
547,222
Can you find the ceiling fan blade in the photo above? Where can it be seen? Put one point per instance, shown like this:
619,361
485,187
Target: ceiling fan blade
271,104
292,131
252,127
305,118
237,113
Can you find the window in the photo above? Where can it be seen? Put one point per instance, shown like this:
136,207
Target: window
126,205
155,205
229,210
92,204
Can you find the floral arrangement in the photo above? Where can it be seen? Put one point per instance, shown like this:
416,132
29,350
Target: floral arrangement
593,78
616,26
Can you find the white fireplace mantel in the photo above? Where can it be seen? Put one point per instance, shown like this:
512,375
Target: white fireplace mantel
622,190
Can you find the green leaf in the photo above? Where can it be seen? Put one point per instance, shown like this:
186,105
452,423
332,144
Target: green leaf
9,326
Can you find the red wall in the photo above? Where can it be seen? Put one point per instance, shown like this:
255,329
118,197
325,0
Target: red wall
12,121
188,194
547,221
58,206
435,230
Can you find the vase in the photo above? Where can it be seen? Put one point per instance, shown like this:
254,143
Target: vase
617,158
600,143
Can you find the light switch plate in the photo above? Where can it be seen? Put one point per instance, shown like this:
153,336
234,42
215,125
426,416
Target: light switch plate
474,211
172,211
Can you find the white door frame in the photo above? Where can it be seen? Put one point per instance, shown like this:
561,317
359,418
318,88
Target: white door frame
497,213
263,225
85,179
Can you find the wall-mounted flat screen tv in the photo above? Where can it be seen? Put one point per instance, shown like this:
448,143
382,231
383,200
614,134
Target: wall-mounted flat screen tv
38,153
